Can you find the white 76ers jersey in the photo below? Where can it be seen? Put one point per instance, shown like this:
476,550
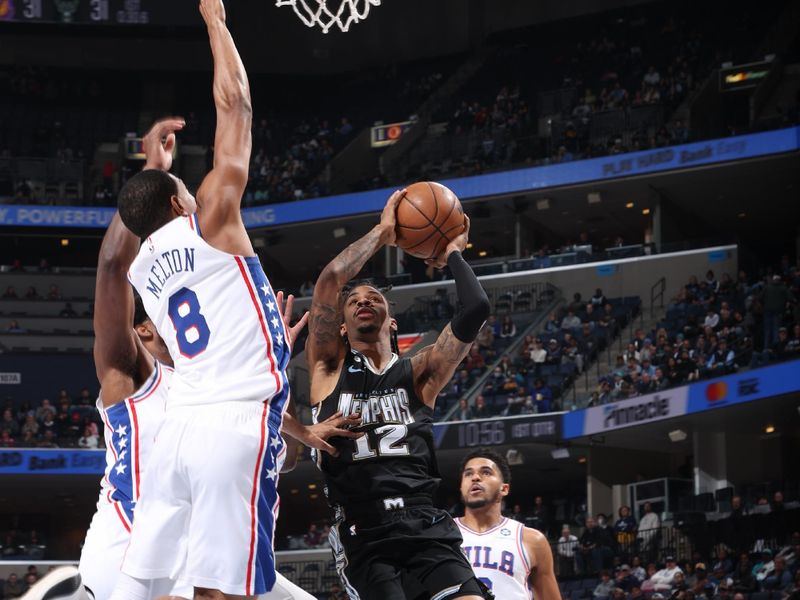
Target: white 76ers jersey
129,432
499,559
217,315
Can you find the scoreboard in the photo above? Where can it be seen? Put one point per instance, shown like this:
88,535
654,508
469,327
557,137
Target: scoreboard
101,12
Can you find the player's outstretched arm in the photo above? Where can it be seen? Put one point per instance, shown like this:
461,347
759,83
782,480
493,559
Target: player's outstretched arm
117,349
545,586
435,365
325,347
116,346
220,195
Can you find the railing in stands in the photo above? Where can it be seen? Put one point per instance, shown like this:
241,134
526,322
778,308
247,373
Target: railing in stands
657,293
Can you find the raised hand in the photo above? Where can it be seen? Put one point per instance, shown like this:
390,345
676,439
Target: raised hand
389,218
212,10
159,142
459,243
292,331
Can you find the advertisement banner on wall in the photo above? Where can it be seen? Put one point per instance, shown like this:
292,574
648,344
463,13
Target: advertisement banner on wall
626,413
744,387
543,429
52,462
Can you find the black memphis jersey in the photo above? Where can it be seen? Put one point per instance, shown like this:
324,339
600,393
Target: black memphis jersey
395,457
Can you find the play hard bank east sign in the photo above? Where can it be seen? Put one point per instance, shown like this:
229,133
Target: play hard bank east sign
636,411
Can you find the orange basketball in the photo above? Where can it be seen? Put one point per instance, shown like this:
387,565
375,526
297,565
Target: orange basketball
428,217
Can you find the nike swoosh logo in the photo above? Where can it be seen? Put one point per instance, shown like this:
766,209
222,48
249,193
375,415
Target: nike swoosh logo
353,369
436,519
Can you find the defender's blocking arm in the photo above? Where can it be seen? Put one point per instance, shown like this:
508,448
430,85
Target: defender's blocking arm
219,197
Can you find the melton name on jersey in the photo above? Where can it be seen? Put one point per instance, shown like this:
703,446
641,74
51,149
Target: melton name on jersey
395,457
218,316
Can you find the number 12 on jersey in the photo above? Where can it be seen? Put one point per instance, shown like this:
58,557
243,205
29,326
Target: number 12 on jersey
390,443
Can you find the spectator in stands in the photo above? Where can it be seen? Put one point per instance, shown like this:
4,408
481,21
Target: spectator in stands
313,536
49,424
553,325
474,362
43,408
594,548
649,529
481,410
776,299
10,293
485,338
765,564
724,562
780,579
743,579
540,515
14,588
336,593
54,293
542,396
701,578
508,329
68,311
553,353
711,281
89,440
48,440
538,355
599,299
624,579
625,528
9,423
13,327
721,361
605,587
31,293
637,570
793,345
30,580
566,547
6,439
30,425
517,514
724,589
464,412
663,579
778,350
712,318
570,321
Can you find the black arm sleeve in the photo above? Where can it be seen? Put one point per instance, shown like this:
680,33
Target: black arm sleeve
472,308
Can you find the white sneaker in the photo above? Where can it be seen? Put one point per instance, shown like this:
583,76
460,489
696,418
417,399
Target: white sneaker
63,583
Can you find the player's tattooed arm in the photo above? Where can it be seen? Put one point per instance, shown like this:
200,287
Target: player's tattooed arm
325,347
434,366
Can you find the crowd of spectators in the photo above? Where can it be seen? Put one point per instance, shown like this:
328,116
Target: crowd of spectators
712,328
17,584
531,380
67,422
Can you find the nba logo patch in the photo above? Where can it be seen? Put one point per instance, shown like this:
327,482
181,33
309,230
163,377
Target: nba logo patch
505,532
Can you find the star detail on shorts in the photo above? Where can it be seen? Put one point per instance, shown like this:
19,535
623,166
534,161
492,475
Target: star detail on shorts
270,305
265,289
120,468
276,442
122,430
123,443
279,339
272,474
274,322
122,455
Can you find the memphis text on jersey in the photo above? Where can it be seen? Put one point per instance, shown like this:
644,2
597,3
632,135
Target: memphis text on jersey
378,406
168,264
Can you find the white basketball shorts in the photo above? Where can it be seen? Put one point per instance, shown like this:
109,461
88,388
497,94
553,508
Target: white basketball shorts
209,499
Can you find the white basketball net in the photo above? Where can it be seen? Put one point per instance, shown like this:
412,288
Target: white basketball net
317,12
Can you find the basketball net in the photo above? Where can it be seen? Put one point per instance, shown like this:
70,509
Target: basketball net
317,12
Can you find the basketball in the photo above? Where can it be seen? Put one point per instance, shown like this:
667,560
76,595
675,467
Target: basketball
428,217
